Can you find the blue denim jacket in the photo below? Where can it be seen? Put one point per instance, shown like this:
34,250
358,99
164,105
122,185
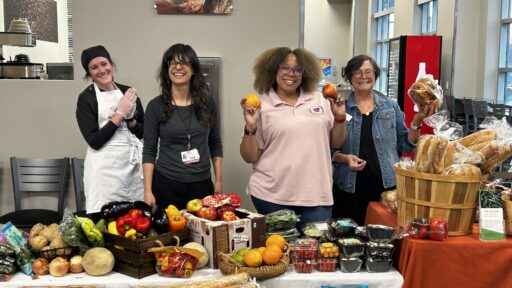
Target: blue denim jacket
389,135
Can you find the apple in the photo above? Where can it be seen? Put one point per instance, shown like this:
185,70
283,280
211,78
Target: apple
228,216
194,205
207,213
329,91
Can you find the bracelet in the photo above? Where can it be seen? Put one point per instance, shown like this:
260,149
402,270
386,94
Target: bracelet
250,133
339,121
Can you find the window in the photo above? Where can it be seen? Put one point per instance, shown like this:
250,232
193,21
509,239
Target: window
505,55
428,16
385,18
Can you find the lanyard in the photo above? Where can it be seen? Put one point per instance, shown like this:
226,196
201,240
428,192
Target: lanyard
187,127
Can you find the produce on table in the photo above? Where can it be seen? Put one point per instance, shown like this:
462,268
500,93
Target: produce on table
328,250
114,209
160,221
172,210
177,223
94,235
207,213
175,261
281,220
98,261
204,259
71,232
51,232
38,242
194,205
40,266
18,243
75,264
112,229
438,229
36,229
228,216
59,267
7,259
326,264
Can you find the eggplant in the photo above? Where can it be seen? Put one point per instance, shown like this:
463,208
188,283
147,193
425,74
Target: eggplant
159,221
144,207
114,209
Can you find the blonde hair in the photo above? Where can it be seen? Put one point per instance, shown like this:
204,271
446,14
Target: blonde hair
266,67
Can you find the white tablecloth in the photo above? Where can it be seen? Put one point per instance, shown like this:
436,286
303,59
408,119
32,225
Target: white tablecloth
290,279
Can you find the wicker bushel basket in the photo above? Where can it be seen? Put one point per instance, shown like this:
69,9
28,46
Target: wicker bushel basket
228,266
427,195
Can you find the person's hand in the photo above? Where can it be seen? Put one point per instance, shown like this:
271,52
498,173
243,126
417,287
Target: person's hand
425,111
149,198
251,116
355,163
126,104
218,188
338,108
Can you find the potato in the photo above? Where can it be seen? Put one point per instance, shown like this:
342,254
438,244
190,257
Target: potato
38,242
50,233
36,229
60,243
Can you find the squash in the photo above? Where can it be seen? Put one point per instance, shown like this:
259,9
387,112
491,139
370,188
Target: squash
203,260
98,261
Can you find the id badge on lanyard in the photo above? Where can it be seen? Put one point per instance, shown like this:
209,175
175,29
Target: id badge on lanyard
190,156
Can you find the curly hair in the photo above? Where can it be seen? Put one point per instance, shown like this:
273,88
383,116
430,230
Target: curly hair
267,65
199,90
355,63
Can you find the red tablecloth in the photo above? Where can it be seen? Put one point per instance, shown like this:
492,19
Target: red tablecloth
462,261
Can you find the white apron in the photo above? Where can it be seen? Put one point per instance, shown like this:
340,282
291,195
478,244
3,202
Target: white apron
112,173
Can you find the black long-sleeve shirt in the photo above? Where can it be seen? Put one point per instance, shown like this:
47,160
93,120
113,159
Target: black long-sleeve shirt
168,139
87,118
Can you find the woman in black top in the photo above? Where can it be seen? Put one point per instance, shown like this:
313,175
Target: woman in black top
182,128
110,117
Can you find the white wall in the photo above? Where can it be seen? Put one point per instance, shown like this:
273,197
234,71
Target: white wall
44,51
327,30
37,117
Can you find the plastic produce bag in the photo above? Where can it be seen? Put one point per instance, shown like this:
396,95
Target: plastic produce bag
24,257
281,220
72,233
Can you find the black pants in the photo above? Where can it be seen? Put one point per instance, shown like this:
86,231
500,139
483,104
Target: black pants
177,193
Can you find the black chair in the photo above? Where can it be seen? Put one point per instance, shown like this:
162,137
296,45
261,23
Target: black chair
77,166
479,112
498,110
25,219
448,104
468,114
41,176
458,113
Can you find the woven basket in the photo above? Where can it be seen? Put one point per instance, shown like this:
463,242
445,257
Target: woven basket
228,266
428,195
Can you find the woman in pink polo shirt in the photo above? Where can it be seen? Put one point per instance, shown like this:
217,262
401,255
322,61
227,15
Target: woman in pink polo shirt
288,139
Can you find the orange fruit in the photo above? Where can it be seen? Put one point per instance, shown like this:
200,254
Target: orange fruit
272,254
277,240
261,249
253,258
252,100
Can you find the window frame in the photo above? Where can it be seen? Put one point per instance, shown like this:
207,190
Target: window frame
429,16
504,78
384,18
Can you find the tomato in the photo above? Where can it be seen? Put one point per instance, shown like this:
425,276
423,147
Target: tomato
329,91
438,229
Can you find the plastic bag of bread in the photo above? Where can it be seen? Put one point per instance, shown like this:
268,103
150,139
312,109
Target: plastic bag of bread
462,170
425,92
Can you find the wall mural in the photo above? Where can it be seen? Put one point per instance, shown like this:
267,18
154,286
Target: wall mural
41,15
194,6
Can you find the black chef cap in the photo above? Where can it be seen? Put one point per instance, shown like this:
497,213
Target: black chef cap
93,52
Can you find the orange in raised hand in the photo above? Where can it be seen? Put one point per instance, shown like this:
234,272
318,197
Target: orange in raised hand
252,100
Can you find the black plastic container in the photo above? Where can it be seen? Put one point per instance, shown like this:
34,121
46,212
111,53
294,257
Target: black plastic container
351,247
380,233
350,265
377,265
343,227
379,250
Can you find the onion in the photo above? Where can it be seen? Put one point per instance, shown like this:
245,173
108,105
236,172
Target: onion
40,266
75,264
59,267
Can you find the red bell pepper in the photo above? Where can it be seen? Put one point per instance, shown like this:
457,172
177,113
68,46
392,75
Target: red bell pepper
143,225
124,223
136,214
438,229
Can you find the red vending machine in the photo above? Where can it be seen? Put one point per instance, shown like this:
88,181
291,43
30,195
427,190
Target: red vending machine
405,55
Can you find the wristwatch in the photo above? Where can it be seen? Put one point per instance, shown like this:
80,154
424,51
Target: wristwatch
413,127
250,133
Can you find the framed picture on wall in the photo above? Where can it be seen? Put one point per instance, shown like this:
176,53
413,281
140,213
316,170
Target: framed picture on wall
327,67
194,6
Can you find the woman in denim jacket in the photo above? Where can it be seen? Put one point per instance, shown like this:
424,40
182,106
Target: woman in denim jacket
376,137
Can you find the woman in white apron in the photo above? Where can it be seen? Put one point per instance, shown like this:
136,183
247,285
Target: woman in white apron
111,119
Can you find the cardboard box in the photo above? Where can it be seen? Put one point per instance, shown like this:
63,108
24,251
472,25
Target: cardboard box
227,236
133,259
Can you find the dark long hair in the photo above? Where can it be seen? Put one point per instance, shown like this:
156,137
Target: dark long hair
199,90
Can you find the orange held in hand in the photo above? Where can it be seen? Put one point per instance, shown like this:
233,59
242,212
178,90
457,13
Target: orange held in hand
329,91
252,100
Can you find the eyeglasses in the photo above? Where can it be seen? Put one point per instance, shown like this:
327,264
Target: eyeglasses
367,73
286,69
172,63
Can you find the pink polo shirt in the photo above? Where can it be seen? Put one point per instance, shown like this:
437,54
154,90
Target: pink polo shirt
295,166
